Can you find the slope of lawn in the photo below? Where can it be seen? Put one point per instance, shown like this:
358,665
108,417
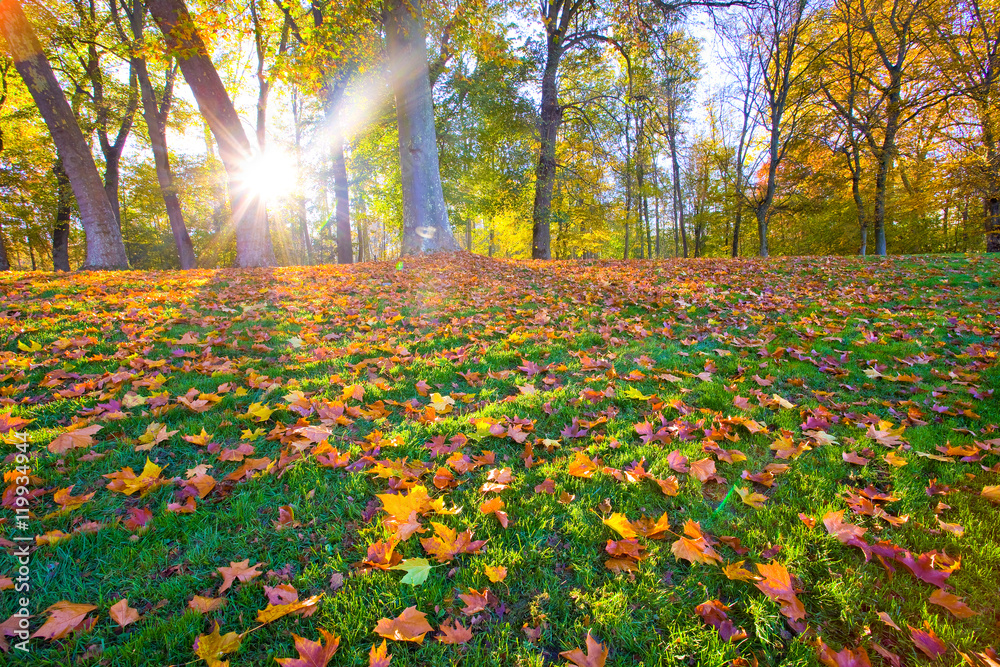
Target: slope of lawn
575,447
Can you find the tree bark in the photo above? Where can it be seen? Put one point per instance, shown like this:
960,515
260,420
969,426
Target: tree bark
60,230
105,249
253,237
4,260
425,216
993,223
155,114
545,171
341,191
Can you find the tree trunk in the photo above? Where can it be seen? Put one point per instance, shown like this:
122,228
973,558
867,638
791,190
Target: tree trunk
761,213
425,216
678,199
105,249
993,223
341,189
60,230
155,114
4,260
253,238
545,171
300,200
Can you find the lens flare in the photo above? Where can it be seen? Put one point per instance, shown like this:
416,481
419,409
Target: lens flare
272,175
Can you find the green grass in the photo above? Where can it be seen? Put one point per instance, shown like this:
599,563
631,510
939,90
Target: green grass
935,318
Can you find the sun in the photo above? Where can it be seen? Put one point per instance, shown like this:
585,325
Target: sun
272,175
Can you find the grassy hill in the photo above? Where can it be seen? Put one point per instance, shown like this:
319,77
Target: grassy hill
831,424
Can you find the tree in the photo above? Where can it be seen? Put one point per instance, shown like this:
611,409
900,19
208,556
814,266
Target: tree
105,249
253,236
966,51
155,112
425,217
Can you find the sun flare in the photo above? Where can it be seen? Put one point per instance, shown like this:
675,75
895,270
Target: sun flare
273,175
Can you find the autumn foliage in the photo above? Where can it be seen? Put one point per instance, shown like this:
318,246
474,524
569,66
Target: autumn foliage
427,461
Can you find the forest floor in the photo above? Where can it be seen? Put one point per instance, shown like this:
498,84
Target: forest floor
697,462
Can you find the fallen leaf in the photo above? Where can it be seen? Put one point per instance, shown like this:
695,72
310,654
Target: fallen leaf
213,646
596,655
409,626
241,570
952,603
454,634
416,570
312,653
64,617
927,642
122,614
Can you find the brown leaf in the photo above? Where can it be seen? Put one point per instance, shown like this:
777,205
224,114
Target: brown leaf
74,439
952,603
204,605
410,626
596,655
843,658
241,570
64,617
703,469
122,614
379,656
312,653
454,634
927,642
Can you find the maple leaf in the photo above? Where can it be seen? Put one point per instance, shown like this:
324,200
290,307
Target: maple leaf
64,617
417,570
751,498
275,611
258,412
355,391
582,466
495,506
621,525
703,469
454,634
846,533
213,646
895,460
241,570
68,502
852,457
991,493
596,655
204,605
844,658
31,347
125,480
713,612
475,601
379,656
409,626
495,573
9,423
448,543
122,614
74,439
695,548
737,572
928,642
777,585
154,435
952,603
669,486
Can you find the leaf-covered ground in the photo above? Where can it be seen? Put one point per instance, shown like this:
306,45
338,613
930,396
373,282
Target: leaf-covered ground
699,462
